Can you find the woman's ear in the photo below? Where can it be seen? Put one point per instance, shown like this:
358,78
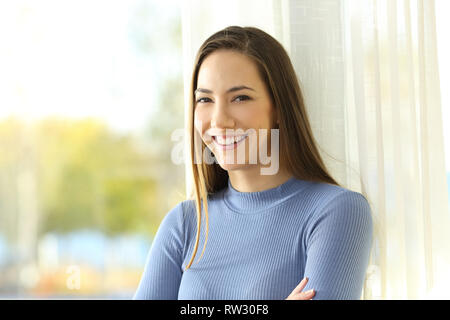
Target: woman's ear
277,122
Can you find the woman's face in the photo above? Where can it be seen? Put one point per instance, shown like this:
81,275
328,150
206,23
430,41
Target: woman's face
231,105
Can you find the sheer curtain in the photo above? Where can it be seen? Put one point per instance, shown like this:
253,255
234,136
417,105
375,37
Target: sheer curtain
369,73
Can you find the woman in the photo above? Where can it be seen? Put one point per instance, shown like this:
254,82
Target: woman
269,221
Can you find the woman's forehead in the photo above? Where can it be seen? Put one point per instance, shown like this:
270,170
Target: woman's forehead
227,69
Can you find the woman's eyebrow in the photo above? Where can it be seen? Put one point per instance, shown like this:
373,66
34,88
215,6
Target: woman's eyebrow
236,88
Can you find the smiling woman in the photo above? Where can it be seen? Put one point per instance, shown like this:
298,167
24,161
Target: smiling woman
228,111
268,231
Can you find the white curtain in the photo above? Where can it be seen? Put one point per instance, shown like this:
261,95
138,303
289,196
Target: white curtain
369,73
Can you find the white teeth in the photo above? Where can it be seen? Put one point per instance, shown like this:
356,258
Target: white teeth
229,140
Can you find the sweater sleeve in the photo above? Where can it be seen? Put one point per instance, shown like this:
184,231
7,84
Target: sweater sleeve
163,268
338,245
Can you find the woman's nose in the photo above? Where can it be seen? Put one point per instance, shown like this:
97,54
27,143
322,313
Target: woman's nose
220,117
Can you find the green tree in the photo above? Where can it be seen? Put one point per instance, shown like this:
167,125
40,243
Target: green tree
94,178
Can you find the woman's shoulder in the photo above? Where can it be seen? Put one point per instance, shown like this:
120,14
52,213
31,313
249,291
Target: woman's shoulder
327,193
182,209
179,218
333,199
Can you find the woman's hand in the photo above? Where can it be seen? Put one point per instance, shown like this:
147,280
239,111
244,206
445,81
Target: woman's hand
297,293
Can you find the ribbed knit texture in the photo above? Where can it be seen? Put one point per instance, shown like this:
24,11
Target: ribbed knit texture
261,245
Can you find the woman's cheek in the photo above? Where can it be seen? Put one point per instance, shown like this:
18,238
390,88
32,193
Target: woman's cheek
200,120
250,115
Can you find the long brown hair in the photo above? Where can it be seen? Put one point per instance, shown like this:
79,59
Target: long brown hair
298,150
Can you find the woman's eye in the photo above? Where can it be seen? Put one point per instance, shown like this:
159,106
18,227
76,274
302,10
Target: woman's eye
242,98
200,100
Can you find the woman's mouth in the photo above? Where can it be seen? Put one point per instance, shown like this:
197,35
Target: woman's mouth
230,142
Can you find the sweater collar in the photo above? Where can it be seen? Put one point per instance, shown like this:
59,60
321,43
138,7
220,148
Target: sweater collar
259,201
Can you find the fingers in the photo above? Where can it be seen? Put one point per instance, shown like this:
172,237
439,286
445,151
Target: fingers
304,295
308,295
301,285
297,293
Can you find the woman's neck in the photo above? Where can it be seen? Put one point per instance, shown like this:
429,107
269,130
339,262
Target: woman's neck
253,181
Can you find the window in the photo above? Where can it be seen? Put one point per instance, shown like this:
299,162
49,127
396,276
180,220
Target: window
89,94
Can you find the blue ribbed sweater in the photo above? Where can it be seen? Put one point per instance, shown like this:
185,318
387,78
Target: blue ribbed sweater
261,245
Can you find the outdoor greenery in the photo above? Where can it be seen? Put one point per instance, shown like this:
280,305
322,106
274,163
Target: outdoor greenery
61,176
86,175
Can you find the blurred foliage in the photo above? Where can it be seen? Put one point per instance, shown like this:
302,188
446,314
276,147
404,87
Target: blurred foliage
84,174
168,117
168,111
87,175
129,195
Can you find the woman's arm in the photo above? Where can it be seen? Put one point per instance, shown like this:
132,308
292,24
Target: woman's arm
338,244
163,271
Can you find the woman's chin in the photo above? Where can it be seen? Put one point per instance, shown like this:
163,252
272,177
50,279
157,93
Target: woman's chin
232,166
